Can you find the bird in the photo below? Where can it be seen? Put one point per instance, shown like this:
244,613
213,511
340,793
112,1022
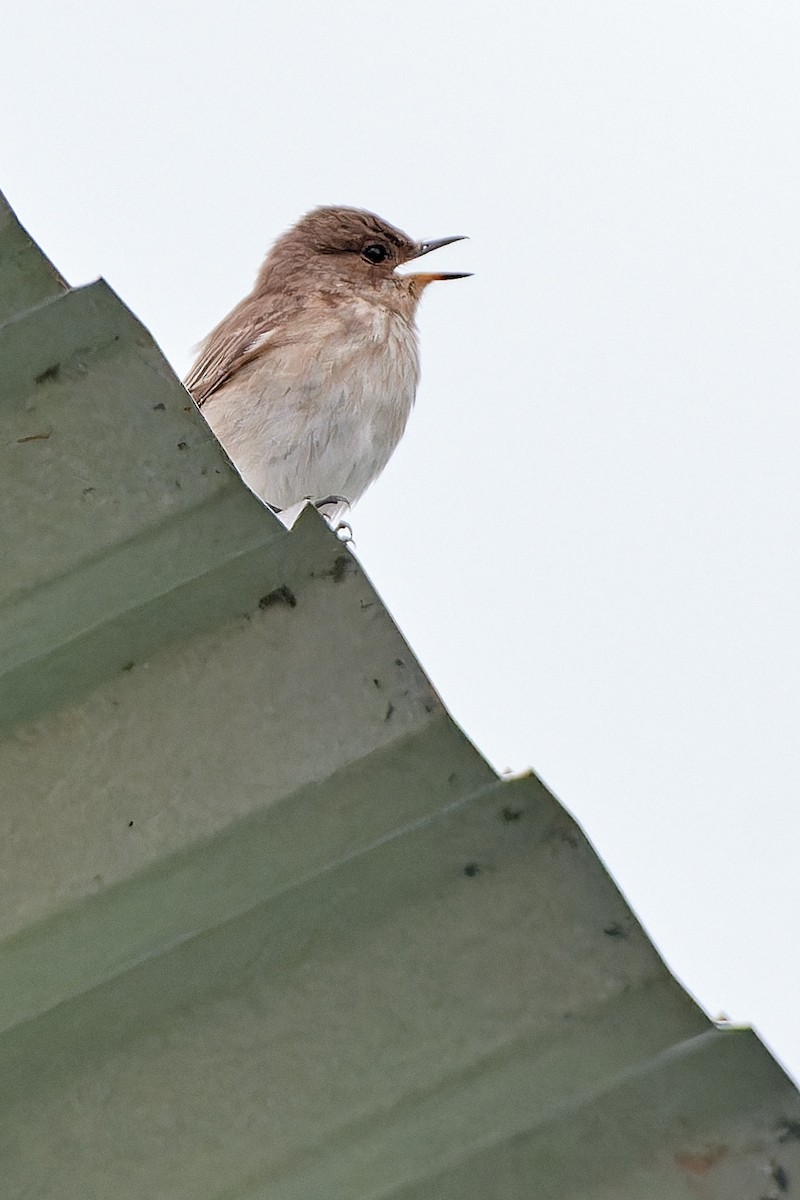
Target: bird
309,381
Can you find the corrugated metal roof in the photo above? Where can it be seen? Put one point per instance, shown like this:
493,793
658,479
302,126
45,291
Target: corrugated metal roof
271,927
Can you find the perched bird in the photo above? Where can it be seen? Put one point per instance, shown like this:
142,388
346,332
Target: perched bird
309,382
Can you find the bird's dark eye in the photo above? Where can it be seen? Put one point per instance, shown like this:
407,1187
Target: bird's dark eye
375,253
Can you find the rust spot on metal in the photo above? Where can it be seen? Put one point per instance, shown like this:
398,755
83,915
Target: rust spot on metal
700,1162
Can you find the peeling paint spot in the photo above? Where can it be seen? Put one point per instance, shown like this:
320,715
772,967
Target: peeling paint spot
471,870
789,1130
780,1177
341,567
281,595
511,814
616,931
49,373
159,407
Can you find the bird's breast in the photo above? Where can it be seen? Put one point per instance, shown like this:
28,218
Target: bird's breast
321,412
386,355
373,395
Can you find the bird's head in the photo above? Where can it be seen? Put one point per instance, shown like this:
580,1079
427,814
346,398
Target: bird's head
350,250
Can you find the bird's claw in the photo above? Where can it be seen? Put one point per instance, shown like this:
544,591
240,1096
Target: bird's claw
334,509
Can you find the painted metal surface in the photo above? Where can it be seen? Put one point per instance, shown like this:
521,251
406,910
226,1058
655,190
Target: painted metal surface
271,927
27,277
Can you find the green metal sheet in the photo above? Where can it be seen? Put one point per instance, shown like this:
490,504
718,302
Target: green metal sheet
155,535
271,927
27,277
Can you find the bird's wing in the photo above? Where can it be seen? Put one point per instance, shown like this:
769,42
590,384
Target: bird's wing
245,334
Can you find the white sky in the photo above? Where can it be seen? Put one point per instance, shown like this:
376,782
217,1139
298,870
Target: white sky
590,532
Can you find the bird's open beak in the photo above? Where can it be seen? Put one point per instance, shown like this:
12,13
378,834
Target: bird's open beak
426,247
424,278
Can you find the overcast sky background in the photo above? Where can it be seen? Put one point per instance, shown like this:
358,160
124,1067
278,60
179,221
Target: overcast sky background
590,532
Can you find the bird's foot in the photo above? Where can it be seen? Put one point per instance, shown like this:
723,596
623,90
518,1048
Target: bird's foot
334,509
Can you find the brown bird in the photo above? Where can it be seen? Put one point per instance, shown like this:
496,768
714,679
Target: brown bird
309,382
